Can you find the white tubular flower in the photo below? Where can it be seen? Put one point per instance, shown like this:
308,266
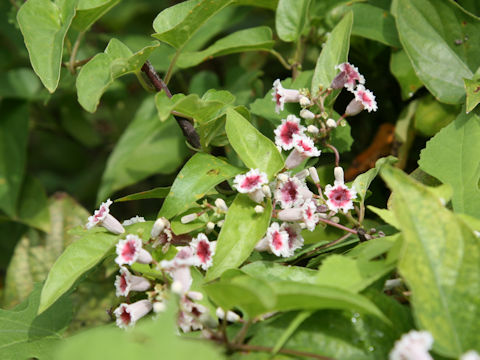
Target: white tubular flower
295,239
130,251
158,227
133,220
340,197
470,355
366,97
307,114
302,175
179,269
262,245
331,123
285,131
348,77
220,203
188,218
309,217
128,314
288,193
231,316
102,217
413,346
203,250
278,240
250,182
354,107
266,191
303,149
126,282
282,96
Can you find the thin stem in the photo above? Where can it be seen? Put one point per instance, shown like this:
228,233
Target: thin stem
169,73
340,226
341,118
240,336
280,58
73,55
337,155
78,63
156,80
335,242
298,57
297,353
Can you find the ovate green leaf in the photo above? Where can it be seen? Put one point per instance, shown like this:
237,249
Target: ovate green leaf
255,150
157,193
375,23
290,18
44,22
201,173
89,11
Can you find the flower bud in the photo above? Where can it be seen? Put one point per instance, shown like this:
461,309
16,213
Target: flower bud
312,129
188,218
314,175
158,227
256,196
302,174
293,214
282,177
159,307
220,203
353,108
304,101
266,191
259,209
307,114
338,173
331,123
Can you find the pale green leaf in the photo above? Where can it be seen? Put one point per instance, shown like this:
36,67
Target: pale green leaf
472,88
100,72
452,157
200,174
89,11
254,149
333,53
146,147
44,22
433,35
272,271
290,18
431,116
236,241
440,261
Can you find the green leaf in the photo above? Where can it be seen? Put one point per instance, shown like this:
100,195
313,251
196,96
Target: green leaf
375,23
100,72
21,83
89,249
200,174
89,11
255,150
300,296
433,36
351,274
36,252
440,261
157,193
268,4
363,181
253,39
472,88
385,215
431,116
333,53
146,147
452,157
236,241
341,138
25,335
271,271
13,153
402,69
33,205
177,24
290,18
149,336
45,22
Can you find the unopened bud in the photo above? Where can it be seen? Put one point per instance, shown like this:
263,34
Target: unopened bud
353,108
304,101
158,227
210,226
339,81
177,287
231,316
302,174
257,196
159,307
331,123
195,295
335,219
220,203
294,159
259,209
220,223
314,175
307,114
312,129
188,218
338,173
113,225
293,214
282,177
266,191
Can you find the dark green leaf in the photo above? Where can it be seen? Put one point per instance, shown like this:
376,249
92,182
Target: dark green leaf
20,83
157,193
402,69
375,23
431,116
290,18
472,88
271,271
33,206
